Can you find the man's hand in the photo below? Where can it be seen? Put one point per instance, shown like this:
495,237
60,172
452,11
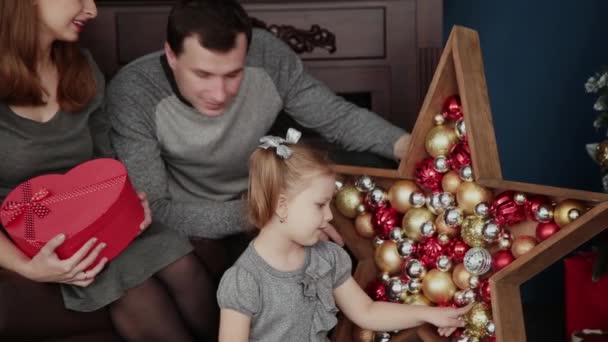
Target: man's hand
330,232
400,147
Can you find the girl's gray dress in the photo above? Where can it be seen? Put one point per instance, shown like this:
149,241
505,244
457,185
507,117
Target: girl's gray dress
29,148
287,306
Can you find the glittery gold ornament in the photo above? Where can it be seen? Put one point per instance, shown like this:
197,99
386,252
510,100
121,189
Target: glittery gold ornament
363,225
472,231
461,277
443,228
567,211
477,319
362,335
451,181
400,193
438,286
347,200
413,220
469,194
522,245
417,299
601,154
387,257
440,140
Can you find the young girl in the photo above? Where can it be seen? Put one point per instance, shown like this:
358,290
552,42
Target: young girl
52,118
287,283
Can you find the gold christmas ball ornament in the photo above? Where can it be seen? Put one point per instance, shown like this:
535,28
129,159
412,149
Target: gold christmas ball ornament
472,231
438,286
347,200
601,154
417,299
364,226
413,221
440,140
522,245
567,211
400,195
362,335
451,181
469,194
461,277
477,319
387,258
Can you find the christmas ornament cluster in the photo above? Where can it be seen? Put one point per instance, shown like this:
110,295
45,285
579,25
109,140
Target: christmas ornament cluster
439,237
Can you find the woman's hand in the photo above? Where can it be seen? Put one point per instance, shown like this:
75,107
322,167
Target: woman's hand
147,212
47,267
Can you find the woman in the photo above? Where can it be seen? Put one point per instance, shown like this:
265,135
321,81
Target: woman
51,119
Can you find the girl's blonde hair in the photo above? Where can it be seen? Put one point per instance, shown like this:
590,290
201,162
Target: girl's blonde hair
270,176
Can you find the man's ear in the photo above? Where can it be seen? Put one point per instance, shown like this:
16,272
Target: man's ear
171,56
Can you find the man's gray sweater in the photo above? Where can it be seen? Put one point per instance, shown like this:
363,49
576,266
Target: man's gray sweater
193,167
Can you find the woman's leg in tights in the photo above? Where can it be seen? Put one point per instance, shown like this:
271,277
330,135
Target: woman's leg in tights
193,290
147,313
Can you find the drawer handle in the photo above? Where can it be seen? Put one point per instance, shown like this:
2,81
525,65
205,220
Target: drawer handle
300,40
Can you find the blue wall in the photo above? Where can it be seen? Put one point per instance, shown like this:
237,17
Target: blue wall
537,56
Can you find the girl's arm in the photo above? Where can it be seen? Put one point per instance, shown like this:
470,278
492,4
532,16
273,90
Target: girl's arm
383,316
234,326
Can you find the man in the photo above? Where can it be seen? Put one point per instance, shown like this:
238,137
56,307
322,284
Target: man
186,120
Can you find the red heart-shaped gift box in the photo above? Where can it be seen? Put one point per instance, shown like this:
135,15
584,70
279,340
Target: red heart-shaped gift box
94,199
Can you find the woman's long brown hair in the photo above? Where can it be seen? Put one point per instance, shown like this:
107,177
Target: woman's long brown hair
19,54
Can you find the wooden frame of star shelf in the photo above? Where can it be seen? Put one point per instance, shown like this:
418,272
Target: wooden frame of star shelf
460,71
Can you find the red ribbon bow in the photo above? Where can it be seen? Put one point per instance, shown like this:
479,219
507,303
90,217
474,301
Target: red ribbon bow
30,205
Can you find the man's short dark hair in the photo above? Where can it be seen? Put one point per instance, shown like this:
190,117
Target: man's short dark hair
216,23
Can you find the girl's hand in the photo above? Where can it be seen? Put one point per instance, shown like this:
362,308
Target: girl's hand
47,267
147,212
448,319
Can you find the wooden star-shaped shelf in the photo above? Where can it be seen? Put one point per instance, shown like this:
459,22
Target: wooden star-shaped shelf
460,71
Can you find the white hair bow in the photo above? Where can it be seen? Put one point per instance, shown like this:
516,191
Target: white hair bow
278,143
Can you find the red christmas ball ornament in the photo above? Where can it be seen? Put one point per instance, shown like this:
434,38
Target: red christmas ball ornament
452,109
385,219
545,230
429,249
484,291
458,249
460,155
376,289
426,176
533,203
501,259
505,210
